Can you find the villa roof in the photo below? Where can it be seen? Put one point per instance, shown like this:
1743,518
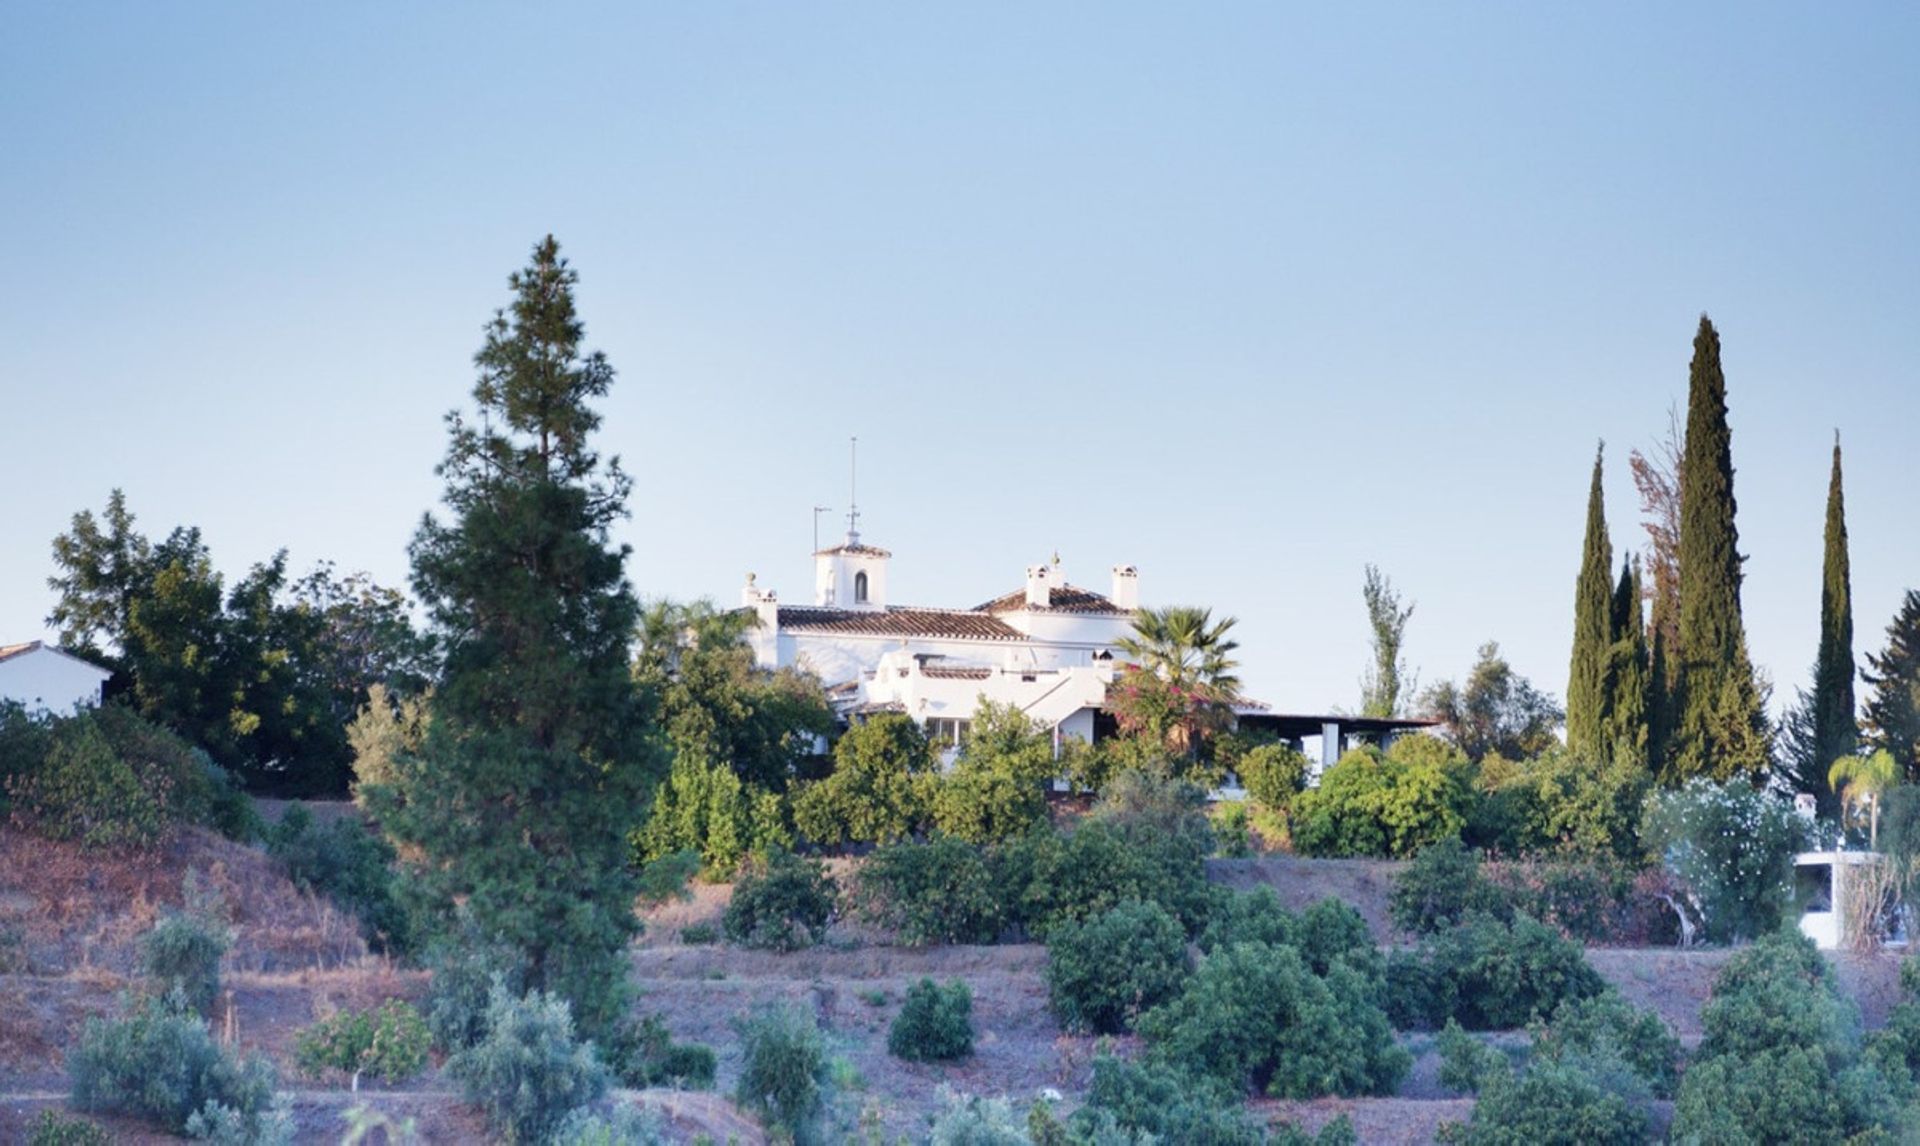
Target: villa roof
974,672
1065,599
898,621
855,550
8,652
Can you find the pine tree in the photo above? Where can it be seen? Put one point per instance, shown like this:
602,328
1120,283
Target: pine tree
1624,732
1587,688
533,770
1722,730
1893,709
1835,733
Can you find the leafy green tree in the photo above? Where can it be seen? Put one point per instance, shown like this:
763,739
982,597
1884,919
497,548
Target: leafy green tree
533,768
1498,711
1375,804
1722,730
1893,707
1102,972
1182,688
997,788
1625,732
881,788
1732,847
1588,695
1387,683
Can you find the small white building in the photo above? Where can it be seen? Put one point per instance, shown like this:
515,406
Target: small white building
1830,889
48,679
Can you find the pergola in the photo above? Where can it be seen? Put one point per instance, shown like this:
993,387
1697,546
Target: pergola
1333,729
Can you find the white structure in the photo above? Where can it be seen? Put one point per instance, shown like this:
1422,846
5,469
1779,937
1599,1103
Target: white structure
44,678
1826,885
1046,648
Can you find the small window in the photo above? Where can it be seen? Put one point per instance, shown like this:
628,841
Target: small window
860,588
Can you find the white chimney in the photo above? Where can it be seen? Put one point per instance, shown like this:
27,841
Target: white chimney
1126,587
1039,586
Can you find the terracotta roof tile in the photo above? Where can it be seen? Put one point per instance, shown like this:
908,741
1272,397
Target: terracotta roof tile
956,673
1065,599
898,621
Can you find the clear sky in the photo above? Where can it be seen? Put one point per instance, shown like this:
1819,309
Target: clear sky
1246,295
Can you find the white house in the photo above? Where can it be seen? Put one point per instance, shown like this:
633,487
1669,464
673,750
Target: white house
1048,648
45,678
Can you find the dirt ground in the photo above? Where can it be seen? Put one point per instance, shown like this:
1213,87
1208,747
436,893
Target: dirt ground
69,921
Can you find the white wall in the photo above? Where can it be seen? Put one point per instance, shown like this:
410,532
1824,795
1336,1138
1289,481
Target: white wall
45,678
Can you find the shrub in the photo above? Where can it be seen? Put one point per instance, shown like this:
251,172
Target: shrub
935,1024
1551,1103
465,969
1733,846
881,788
644,1054
997,787
83,790
1255,1015
349,865
1232,829
1104,862
699,934
1440,888
941,891
1273,774
55,1129
1103,972
389,1044
1368,804
528,1073
704,808
783,1071
1465,1061
622,1125
1489,975
782,904
1156,1102
182,953
162,1064
1605,1025
969,1120
222,1125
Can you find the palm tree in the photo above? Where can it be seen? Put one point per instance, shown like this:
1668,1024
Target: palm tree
1187,648
1184,686
1860,780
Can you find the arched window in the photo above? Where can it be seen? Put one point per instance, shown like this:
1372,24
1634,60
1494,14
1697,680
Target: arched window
860,588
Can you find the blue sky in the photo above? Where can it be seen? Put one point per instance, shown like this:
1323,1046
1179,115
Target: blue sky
1249,296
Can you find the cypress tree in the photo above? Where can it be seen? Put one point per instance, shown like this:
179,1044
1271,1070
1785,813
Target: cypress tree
1624,732
533,771
1835,733
1722,731
1587,687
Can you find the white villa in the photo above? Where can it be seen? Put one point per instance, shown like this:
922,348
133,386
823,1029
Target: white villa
44,678
1048,648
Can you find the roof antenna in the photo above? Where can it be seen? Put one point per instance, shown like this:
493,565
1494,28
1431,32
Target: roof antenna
817,511
853,491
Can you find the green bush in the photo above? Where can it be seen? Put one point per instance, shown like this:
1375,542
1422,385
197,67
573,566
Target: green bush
1551,1103
1104,971
349,865
622,1125
1273,774
389,1044
55,1129
465,969
1734,847
1780,1061
1156,1102
1488,975
1440,888
1232,829
222,1125
997,787
941,891
1257,1016
1369,804
935,1024
528,1073
644,1054
705,808
161,1063
881,788
1606,1025
699,934
782,904
969,1120
784,1071
1074,877
182,953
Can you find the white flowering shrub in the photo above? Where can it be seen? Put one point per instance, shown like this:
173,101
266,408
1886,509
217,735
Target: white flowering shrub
1732,849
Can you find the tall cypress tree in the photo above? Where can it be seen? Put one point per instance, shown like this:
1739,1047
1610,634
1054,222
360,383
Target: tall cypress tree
1835,732
1624,731
1587,689
1893,708
533,770
1722,730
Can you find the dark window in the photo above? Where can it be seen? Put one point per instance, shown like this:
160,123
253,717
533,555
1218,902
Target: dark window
859,588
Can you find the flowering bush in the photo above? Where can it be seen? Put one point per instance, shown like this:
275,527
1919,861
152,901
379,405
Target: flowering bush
1732,847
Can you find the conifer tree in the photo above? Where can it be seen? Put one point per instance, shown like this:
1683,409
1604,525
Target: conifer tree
1893,709
533,770
1835,733
1722,729
1624,732
1587,686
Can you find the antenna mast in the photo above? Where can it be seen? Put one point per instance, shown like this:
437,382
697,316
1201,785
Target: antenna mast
817,511
853,491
